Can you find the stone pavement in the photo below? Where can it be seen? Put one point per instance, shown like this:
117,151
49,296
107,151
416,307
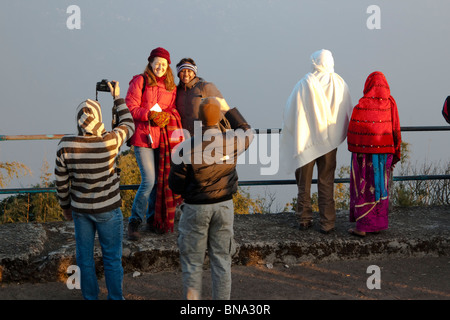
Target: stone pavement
42,252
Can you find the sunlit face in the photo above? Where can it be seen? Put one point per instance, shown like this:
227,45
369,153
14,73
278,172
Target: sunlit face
159,66
186,75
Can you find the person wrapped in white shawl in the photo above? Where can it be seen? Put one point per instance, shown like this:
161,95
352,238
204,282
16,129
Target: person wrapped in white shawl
315,122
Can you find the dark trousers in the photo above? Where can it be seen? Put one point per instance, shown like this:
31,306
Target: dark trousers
326,166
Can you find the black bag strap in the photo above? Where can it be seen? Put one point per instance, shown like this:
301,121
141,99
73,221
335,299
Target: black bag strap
145,83
143,90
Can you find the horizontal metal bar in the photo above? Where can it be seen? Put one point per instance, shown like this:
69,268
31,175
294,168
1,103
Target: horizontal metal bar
257,131
417,128
31,137
241,183
314,181
27,190
439,128
339,180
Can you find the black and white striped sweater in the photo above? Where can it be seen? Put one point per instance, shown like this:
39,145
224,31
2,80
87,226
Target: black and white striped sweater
86,176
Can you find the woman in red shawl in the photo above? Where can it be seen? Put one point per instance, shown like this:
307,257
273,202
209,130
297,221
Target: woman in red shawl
374,139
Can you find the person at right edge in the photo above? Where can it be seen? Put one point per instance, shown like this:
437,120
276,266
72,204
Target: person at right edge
207,185
445,109
374,138
315,123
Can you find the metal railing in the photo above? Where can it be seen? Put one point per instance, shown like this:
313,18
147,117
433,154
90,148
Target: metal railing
241,183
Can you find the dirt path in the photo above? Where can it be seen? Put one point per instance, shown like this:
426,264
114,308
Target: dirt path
401,279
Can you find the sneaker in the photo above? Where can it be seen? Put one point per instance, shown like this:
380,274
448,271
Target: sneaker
133,230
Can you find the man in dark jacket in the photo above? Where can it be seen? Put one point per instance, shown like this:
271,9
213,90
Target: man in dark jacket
206,178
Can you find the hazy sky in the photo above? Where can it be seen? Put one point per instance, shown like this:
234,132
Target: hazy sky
255,51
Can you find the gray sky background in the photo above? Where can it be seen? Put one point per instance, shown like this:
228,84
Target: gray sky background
255,51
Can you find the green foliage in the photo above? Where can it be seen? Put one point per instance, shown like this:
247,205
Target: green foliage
39,207
15,209
43,207
342,190
10,170
402,193
244,204
129,175
420,192
341,194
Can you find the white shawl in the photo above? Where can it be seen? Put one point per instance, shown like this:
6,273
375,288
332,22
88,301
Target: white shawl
316,115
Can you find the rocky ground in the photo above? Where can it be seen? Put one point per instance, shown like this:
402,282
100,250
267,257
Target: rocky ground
275,261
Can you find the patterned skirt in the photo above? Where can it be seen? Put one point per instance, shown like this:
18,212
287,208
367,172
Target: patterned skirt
369,194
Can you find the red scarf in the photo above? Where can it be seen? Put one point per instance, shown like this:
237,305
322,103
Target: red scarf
166,200
374,126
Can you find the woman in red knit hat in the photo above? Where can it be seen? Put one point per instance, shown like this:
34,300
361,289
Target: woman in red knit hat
151,100
374,139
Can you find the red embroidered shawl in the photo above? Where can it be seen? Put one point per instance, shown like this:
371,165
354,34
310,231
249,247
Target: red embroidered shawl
375,126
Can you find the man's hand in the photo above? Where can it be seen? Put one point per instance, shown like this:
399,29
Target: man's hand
115,90
67,214
224,107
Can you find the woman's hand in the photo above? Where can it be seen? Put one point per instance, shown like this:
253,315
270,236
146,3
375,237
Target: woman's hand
161,119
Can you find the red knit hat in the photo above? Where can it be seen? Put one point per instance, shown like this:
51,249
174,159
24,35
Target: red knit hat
160,52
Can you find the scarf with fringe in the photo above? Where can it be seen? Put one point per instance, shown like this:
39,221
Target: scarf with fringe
166,200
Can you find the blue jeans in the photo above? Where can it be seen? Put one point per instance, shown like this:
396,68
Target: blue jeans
109,226
206,227
145,199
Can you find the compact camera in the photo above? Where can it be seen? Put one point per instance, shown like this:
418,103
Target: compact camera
103,85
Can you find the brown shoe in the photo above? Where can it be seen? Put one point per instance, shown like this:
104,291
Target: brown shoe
133,230
305,225
323,231
355,232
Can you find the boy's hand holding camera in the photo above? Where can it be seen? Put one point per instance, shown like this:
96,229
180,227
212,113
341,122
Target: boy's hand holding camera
114,89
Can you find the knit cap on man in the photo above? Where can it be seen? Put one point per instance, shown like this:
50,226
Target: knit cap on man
209,112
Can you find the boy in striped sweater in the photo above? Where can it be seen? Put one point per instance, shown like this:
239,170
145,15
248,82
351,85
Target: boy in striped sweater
88,191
